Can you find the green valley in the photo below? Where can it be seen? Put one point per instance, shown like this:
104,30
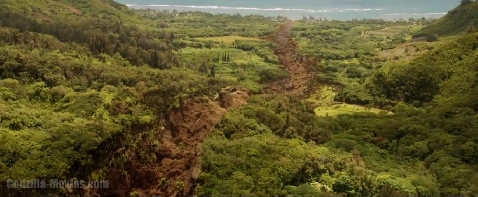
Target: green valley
172,103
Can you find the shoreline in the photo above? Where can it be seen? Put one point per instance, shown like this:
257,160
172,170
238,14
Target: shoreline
295,14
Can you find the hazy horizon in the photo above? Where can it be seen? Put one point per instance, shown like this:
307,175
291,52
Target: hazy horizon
335,9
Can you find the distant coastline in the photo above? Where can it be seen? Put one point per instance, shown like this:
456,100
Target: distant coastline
297,13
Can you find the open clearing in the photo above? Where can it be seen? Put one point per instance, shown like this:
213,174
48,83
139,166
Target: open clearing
244,66
227,39
388,31
409,50
327,106
338,109
406,51
237,56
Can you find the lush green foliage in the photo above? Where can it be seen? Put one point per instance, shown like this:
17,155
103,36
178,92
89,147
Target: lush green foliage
427,146
448,70
79,85
457,21
87,87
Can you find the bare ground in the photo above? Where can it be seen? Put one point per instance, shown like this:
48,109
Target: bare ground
298,67
178,161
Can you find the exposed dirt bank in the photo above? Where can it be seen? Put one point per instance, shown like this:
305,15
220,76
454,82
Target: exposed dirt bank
298,67
177,164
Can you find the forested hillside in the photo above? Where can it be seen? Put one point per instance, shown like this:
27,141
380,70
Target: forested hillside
81,81
462,19
428,147
188,103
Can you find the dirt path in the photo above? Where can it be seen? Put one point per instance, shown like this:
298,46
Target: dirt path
178,161
297,66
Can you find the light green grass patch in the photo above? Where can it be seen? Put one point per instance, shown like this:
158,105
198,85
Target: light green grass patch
301,42
336,109
351,61
388,31
245,70
327,107
237,56
323,97
416,28
227,39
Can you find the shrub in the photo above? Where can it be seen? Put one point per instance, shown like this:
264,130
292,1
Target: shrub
272,75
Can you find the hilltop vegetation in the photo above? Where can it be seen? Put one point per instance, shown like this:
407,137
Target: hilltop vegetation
180,103
460,20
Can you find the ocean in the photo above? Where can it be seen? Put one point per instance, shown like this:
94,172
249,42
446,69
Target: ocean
297,9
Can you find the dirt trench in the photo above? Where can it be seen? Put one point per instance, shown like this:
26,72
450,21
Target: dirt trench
178,161
300,68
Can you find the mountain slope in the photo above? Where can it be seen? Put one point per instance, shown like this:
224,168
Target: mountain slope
417,151
62,10
437,127
57,60
421,80
455,22
65,6
106,27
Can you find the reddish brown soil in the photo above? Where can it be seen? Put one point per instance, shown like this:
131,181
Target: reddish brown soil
298,67
177,163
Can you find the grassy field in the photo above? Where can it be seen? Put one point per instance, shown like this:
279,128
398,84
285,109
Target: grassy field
227,39
244,66
388,31
409,50
327,107
406,51
338,109
237,56
323,97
